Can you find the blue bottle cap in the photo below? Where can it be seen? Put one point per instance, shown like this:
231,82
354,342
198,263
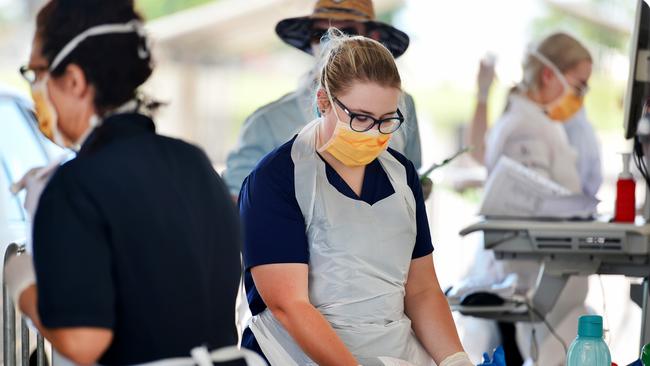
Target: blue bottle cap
590,326
645,355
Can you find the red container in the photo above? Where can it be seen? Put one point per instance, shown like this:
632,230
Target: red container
625,200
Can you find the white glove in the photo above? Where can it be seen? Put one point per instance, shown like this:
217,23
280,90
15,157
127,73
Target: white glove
485,77
34,181
19,274
457,359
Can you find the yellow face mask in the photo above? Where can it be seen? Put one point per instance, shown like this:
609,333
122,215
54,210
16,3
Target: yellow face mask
566,107
46,114
355,148
570,102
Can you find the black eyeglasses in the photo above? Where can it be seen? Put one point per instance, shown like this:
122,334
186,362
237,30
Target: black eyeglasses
363,122
318,33
581,89
31,74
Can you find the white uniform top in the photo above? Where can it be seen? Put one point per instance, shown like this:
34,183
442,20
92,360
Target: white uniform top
526,134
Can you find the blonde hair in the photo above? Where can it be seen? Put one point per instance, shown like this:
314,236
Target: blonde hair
345,60
563,50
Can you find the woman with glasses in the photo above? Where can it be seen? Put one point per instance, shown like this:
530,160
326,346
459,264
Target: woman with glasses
578,128
544,110
338,254
136,241
555,78
273,124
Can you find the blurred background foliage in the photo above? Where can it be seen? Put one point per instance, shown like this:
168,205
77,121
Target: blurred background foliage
153,9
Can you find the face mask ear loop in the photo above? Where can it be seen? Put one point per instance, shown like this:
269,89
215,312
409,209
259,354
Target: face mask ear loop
548,63
143,47
329,94
130,27
327,144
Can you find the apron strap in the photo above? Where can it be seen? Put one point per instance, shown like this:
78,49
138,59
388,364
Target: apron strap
396,173
202,357
303,154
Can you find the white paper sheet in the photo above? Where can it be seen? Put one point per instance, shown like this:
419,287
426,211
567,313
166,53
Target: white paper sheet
516,191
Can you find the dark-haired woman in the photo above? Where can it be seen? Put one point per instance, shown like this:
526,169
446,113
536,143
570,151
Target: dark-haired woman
136,244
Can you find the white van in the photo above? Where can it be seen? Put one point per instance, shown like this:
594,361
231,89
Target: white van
22,147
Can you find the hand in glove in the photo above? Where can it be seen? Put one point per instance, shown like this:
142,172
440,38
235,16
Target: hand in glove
485,77
19,275
34,181
457,359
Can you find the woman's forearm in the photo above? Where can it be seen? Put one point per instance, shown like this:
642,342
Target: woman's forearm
477,131
82,345
28,305
313,333
433,324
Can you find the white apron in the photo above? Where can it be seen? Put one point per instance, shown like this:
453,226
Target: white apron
359,259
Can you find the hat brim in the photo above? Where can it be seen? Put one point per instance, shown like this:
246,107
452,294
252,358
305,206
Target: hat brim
297,33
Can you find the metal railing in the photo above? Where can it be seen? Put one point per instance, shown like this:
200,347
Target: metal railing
9,325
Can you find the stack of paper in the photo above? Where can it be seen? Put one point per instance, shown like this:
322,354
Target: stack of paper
516,191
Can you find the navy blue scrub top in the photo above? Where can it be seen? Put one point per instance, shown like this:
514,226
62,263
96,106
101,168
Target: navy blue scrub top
138,234
274,227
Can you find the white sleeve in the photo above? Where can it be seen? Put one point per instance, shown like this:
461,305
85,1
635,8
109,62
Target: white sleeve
564,167
532,152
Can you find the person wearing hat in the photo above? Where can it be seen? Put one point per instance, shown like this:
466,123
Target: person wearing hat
338,256
273,124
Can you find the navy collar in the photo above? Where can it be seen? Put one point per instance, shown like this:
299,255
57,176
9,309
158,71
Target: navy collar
116,127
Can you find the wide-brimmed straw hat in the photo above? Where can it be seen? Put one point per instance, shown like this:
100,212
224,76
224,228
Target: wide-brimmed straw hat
298,31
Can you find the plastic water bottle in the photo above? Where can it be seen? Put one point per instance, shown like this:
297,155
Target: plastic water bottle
589,348
645,355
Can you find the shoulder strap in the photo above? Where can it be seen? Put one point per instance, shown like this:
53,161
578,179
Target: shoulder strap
305,160
396,172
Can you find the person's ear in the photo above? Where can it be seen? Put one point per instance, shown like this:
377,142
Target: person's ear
322,100
547,76
75,82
